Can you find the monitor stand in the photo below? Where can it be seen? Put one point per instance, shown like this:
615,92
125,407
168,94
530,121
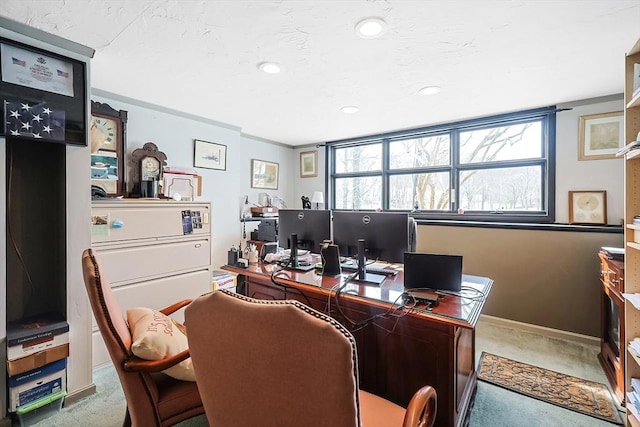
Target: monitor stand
295,263
362,276
370,279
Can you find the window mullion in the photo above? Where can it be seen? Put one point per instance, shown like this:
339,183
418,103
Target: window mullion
455,174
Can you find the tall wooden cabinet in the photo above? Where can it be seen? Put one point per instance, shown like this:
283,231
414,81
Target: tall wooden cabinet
154,253
632,231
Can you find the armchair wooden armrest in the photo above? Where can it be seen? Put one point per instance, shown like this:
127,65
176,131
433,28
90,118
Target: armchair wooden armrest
135,364
421,411
175,307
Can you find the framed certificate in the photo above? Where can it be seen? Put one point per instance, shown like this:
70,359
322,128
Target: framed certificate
588,207
43,94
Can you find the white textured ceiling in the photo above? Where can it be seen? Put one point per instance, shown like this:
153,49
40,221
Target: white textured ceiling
489,57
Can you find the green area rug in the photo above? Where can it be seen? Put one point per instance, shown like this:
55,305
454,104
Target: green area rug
587,397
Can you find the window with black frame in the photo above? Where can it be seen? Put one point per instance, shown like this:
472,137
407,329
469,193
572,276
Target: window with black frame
498,168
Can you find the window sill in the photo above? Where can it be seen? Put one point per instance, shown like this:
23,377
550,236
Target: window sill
616,229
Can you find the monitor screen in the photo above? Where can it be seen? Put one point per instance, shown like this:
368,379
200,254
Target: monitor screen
386,234
311,226
432,271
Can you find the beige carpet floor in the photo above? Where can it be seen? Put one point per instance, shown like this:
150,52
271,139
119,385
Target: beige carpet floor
494,406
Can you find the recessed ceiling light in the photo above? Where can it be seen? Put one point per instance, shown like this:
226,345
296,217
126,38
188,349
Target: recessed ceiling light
269,67
349,109
429,90
370,28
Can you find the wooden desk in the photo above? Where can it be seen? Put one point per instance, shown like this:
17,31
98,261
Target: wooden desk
402,349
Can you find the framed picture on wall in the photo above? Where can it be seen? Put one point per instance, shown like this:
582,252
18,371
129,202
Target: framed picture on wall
209,155
588,207
600,136
308,164
264,174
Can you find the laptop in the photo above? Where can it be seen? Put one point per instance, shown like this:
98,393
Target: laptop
432,271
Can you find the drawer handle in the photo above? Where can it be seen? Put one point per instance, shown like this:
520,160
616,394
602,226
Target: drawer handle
198,245
117,224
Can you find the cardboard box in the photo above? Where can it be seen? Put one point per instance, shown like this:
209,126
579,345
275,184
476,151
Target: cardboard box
223,281
37,384
26,349
224,284
37,360
31,335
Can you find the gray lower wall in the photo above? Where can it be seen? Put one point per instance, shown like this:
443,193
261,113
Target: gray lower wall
542,277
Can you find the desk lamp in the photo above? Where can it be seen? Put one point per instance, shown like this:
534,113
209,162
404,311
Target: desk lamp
317,198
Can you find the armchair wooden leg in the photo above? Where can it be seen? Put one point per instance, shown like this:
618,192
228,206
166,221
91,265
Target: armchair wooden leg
127,419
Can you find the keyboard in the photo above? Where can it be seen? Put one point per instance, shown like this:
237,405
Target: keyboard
352,266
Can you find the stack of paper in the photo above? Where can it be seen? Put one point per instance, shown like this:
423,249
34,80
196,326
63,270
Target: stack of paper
612,253
633,299
633,397
634,347
630,146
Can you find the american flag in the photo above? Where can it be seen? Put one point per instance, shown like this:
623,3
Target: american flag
36,121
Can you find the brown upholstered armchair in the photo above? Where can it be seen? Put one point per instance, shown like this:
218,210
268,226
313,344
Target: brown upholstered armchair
281,363
153,398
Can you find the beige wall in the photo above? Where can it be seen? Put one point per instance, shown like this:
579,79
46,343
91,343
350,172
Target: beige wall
541,277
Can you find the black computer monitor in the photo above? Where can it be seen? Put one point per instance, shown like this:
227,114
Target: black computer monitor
386,234
311,226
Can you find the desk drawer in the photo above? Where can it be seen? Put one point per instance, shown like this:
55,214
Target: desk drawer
126,264
612,274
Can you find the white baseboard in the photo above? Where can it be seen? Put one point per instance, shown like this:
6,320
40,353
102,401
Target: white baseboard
541,330
79,394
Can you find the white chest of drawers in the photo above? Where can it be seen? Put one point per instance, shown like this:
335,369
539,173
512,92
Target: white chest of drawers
153,253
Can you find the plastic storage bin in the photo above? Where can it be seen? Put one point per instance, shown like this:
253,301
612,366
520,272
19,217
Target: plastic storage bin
41,409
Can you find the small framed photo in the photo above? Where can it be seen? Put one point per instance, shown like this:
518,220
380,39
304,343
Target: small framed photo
308,164
600,136
264,174
209,155
588,207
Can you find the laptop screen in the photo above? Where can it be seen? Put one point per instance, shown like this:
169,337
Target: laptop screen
432,271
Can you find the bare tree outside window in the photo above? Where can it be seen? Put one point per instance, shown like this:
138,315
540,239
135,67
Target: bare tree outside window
483,168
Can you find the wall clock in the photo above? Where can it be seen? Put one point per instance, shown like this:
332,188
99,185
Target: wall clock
108,134
588,207
147,164
150,168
